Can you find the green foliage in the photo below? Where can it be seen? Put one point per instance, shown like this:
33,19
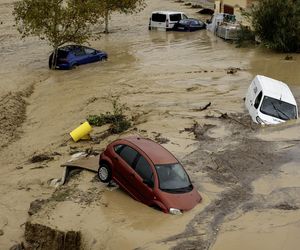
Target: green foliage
67,21
102,119
277,24
245,37
120,126
56,21
118,120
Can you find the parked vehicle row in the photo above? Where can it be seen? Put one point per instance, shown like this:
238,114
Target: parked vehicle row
172,20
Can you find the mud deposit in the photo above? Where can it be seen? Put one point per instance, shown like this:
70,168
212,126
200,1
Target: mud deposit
233,163
12,114
184,90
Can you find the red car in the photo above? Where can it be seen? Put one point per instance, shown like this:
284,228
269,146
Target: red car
149,173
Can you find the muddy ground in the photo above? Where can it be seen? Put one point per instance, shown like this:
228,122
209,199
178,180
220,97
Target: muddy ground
234,165
248,175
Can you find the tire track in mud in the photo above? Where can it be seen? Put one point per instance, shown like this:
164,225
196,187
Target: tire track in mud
234,163
13,114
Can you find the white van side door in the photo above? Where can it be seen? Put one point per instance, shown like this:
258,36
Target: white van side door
250,95
253,100
254,108
158,20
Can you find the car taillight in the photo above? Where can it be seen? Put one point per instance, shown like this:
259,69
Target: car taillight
167,23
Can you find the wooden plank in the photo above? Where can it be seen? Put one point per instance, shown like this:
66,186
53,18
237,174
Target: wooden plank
90,163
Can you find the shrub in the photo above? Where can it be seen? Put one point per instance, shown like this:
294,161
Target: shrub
120,126
245,37
118,120
277,24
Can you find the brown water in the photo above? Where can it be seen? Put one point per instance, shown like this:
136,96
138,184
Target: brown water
161,76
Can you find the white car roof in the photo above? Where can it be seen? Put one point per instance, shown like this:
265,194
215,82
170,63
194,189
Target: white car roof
276,89
166,12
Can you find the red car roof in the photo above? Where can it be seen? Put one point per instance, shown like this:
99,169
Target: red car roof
157,153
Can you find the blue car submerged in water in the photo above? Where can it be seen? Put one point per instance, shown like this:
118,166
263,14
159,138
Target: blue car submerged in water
71,56
189,24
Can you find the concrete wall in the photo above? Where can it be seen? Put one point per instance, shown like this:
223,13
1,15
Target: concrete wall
233,3
236,5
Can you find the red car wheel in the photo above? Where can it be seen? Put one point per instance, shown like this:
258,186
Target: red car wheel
104,173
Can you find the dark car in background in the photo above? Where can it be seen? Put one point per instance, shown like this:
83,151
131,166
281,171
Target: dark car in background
149,173
189,24
70,56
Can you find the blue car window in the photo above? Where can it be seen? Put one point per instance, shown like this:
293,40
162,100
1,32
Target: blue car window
62,54
79,52
89,51
195,23
184,21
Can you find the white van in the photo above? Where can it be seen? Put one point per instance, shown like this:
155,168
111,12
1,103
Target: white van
270,101
165,20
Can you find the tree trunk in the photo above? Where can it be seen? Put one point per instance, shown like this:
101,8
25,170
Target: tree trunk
106,21
53,61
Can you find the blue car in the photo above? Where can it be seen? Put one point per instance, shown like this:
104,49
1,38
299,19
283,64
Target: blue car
189,24
71,56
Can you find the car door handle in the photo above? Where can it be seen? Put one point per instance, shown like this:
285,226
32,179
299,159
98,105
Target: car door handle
132,175
116,158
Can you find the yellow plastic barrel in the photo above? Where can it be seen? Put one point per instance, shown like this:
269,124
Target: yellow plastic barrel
81,132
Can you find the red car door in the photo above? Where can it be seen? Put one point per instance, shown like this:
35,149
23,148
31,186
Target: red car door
125,173
144,180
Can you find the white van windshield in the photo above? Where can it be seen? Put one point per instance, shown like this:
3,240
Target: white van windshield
161,18
277,108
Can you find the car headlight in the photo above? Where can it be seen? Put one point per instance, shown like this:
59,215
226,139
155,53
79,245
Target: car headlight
259,120
174,211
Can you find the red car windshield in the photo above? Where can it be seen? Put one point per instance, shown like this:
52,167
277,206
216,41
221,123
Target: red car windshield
173,178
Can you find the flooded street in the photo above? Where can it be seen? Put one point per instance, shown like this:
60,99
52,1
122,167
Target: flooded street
248,176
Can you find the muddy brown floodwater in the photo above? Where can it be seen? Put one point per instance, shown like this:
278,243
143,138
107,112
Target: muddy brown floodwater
248,175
